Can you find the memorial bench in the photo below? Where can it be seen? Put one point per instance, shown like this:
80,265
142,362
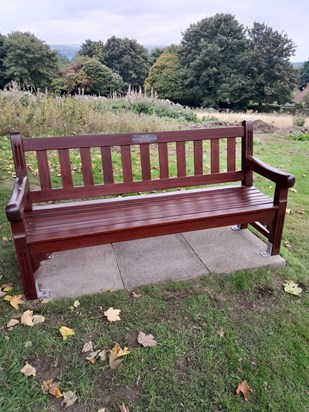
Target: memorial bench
218,156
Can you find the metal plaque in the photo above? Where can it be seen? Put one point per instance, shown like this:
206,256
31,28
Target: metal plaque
144,138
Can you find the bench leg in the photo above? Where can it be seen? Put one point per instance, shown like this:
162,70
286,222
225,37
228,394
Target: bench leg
26,267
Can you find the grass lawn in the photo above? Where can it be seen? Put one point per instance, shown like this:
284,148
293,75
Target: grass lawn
264,331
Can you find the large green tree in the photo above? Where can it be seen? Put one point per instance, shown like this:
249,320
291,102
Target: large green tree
269,68
2,56
165,79
128,58
213,54
29,61
92,49
303,78
103,80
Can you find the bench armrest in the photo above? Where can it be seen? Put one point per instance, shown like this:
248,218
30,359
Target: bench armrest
283,179
15,207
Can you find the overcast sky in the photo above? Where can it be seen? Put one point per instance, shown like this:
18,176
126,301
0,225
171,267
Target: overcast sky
150,22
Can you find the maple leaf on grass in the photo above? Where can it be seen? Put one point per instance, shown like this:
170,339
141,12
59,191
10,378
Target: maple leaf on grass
69,398
112,314
92,356
292,288
14,300
29,319
28,370
51,387
66,332
87,347
220,332
244,388
146,340
11,323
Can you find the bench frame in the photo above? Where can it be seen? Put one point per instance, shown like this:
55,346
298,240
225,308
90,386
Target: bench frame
269,224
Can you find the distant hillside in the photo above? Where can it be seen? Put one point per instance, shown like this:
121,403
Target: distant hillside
66,50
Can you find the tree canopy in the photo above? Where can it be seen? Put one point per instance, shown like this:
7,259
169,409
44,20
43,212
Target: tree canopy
28,61
212,54
128,58
303,78
93,49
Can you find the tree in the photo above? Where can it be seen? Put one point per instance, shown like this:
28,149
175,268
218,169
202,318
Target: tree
128,58
303,78
93,49
2,57
73,79
102,79
212,54
29,61
165,79
269,67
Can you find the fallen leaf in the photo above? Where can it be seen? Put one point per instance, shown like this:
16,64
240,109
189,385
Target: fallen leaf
46,385
244,388
43,301
5,239
288,245
114,362
293,190
26,318
102,355
102,410
76,304
11,323
288,211
7,289
66,332
68,399
120,352
220,332
87,347
14,300
7,285
292,288
28,370
2,293
38,319
28,344
92,356
123,408
112,314
146,340
54,390
136,295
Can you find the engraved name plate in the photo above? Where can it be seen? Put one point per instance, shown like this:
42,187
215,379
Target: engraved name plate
144,138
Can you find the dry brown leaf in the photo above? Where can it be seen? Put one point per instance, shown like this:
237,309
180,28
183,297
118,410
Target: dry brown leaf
14,300
244,388
46,385
26,318
102,355
114,362
28,370
120,352
66,332
92,356
87,347
112,314
2,293
11,323
220,332
146,340
136,295
102,410
69,398
76,304
38,319
54,390
7,285
123,408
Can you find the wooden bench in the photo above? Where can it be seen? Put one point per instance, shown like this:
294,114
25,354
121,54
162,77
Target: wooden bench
216,156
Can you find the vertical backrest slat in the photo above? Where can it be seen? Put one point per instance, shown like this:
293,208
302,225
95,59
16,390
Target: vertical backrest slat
163,160
85,158
44,173
181,159
107,165
198,157
145,161
126,164
65,167
215,160
231,154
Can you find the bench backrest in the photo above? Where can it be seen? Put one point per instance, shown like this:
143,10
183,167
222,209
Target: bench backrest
152,152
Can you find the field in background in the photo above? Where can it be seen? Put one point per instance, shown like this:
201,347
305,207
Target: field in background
276,119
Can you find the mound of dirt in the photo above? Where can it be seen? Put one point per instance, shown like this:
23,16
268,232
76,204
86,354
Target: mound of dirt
259,126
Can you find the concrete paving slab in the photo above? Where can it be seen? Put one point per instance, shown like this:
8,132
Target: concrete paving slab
224,250
79,272
157,259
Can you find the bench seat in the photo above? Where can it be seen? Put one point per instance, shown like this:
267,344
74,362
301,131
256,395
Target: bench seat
50,228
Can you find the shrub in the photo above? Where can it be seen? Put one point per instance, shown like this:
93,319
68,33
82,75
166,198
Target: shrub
299,120
298,135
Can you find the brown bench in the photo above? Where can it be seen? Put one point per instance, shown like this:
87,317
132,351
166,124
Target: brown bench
222,155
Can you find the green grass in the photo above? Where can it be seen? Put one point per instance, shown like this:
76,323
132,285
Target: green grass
192,368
